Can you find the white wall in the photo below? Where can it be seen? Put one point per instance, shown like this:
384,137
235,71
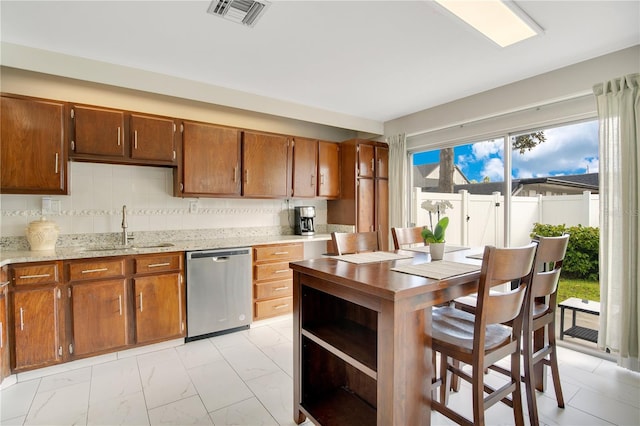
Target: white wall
557,96
98,192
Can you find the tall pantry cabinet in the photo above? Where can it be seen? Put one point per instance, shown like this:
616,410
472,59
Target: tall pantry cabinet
364,192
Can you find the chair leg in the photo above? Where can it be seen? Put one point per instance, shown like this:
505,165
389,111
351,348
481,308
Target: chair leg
455,379
553,363
518,414
445,376
529,385
477,389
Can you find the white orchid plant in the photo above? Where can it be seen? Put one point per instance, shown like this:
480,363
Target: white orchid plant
431,234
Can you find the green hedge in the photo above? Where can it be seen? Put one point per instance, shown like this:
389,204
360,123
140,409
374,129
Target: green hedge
581,260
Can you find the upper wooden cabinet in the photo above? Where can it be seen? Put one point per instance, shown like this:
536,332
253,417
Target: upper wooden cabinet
266,165
382,162
305,167
328,169
210,163
152,138
109,135
33,148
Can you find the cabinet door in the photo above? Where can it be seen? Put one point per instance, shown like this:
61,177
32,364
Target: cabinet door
328,169
366,162
265,165
382,162
99,316
152,138
210,160
382,212
305,167
366,205
33,154
158,307
99,132
36,328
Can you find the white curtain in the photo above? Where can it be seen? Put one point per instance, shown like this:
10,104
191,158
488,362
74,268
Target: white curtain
619,116
397,180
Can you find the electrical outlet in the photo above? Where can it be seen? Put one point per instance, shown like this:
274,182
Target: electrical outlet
46,206
193,206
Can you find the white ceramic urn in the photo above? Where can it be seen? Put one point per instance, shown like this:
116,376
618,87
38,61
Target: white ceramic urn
42,234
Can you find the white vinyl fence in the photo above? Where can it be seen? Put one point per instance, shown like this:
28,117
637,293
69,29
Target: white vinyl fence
477,220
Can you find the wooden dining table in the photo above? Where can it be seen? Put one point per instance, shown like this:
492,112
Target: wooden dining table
362,341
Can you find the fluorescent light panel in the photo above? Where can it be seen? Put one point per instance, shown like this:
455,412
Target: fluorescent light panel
502,22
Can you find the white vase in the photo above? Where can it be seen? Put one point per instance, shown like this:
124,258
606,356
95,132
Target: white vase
436,250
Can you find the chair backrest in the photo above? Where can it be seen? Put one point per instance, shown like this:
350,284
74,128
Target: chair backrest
500,266
406,236
355,242
548,264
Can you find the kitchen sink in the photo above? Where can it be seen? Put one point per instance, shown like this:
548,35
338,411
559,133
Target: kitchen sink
119,247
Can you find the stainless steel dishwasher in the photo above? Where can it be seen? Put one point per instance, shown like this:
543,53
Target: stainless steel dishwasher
218,292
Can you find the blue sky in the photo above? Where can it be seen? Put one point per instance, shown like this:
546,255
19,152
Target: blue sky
568,150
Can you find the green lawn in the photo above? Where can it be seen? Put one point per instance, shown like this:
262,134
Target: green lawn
582,289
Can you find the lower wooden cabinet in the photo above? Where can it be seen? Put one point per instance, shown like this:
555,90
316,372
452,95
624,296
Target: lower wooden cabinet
100,319
272,278
100,305
4,334
158,313
36,328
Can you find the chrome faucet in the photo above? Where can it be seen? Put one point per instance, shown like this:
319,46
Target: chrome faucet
125,238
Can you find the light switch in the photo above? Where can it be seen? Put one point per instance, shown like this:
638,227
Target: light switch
193,206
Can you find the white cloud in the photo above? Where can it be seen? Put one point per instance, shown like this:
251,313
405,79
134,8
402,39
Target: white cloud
486,149
494,169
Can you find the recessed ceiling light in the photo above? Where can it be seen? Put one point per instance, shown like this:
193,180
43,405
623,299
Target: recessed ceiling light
245,12
502,22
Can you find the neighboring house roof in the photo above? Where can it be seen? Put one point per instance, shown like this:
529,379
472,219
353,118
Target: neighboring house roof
557,184
425,174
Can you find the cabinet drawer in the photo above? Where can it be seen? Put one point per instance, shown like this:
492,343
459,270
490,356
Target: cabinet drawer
278,252
270,271
158,263
96,269
274,289
43,273
273,307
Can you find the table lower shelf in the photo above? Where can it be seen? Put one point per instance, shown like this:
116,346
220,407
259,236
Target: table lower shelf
582,333
341,407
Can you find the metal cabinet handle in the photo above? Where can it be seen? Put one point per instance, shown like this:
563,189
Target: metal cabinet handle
157,265
281,306
281,252
280,271
89,271
135,139
71,348
56,166
21,319
235,172
281,288
118,136
321,178
26,277
120,304
313,178
246,176
140,301
1,334
373,165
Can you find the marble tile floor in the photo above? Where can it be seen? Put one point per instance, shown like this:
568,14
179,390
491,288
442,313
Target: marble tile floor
245,378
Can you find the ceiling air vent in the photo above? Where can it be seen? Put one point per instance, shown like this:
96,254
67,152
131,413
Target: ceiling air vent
244,12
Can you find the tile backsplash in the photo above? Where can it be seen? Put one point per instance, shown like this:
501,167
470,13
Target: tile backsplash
98,192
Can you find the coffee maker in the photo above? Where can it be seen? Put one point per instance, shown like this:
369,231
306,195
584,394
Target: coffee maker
304,219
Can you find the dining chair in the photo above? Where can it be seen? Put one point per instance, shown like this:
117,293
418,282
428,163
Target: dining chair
482,339
539,318
406,236
355,242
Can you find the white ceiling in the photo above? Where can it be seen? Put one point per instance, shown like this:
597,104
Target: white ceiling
376,60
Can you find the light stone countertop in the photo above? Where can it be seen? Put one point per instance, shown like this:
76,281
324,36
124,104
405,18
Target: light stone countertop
65,253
